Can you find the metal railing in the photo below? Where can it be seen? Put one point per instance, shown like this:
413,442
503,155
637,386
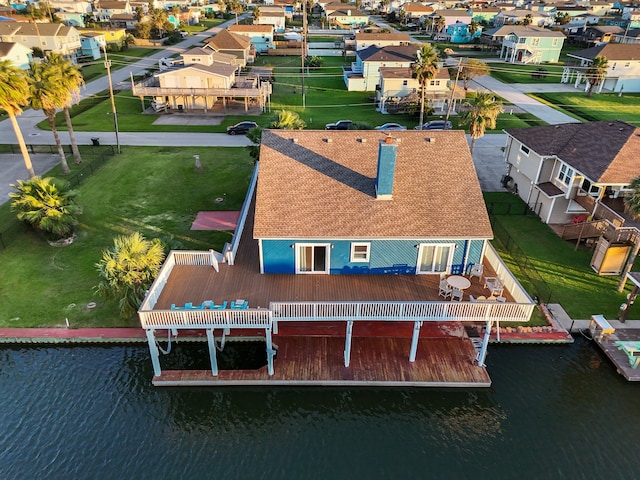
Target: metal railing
183,319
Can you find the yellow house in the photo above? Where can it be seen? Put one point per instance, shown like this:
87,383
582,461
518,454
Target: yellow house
111,35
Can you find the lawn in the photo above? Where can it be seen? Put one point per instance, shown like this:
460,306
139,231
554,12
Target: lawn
516,73
567,272
96,69
601,106
153,190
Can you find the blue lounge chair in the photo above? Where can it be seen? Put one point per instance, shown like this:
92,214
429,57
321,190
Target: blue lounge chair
173,306
188,305
218,307
239,304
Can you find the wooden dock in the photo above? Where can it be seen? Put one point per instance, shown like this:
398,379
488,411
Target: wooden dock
447,361
619,358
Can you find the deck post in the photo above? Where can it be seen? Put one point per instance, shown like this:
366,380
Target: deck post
347,346
270,350
414,340
153,350
485,343
212,352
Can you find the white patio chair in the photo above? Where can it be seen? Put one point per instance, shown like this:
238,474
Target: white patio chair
457,293
445,289
477,269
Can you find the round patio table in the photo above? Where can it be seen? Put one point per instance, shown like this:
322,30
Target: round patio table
458,281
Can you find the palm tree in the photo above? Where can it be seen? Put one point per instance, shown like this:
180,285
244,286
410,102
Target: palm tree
14,94
73,80
632,202
471,69
596,72
48,205
287,120
440,23
256,13
528,19
428,24
128,269
236,7
481,114
48,93
425,68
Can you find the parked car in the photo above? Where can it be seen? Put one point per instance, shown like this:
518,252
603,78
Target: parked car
339,125
241,128
391,126
436,125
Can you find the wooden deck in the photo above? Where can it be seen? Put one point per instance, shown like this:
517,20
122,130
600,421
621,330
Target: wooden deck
319,361
617,356
196,284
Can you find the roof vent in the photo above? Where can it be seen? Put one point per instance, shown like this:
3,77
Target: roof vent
294,140
430,140
327,140
362,140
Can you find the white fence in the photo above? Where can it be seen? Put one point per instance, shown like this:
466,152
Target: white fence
510,282
182,319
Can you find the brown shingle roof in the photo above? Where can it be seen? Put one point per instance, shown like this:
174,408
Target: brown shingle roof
310,188
606,152
399,37
612,51
226,40
251,28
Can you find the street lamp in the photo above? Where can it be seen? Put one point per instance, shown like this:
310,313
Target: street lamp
107,65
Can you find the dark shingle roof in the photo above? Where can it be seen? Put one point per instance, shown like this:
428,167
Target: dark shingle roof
311,188
393,53
606,152
612,51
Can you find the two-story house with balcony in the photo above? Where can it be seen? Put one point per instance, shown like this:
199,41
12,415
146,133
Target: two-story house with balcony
623,71
556,166
233,44
48,37
364,74
525,44
17,54
261,36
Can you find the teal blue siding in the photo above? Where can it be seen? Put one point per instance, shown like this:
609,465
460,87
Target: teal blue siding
385,256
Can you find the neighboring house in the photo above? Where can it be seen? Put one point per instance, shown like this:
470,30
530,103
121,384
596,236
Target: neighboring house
70,6
451,17
631,16
233,44
514,17
364,74
92,44
128,21
600,8
49,37
556,166
274,16
525,44
103,10
72,19
630,36
111,35
16,53
485,14
366,40
460,33
206,56
398,85
416,12
596,34
261,36
347,18
623,72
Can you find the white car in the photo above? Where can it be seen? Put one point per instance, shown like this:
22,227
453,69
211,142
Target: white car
391,126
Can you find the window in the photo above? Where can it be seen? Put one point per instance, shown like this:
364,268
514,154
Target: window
524,150
405,83
535,42
555,42
613,67
591,189
565,174
360,252
434,258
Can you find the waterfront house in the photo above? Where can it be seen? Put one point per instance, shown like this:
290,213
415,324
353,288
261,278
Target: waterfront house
525,44
623,71
569,170
363,232
364,74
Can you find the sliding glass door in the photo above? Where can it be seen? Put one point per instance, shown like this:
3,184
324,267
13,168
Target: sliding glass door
434,258
312,258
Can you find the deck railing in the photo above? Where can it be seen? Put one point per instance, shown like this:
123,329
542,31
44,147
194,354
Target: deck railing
510,282
400,311
181,319
230,252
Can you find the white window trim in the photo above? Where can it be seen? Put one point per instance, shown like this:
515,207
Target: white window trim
353,259
449,260
566,175
327,260
522,149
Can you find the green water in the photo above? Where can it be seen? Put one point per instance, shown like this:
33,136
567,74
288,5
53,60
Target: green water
91,412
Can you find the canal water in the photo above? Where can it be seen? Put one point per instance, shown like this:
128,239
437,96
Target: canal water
91,413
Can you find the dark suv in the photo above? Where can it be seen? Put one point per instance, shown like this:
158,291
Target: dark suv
340,125
241,128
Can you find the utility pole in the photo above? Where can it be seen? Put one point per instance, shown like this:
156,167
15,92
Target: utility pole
304,46
107,65
455,85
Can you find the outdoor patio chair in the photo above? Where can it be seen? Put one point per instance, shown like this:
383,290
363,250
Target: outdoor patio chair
188,305
457,293
239,304
477,269
219,307
445,289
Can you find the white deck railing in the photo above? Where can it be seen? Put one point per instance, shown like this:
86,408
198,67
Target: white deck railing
230,252
510,282
181,319
401,311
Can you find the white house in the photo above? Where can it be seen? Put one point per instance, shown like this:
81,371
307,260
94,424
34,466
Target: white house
16,53
364,74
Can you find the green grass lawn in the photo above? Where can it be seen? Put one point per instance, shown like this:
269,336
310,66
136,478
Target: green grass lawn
516,73
152,190
96,69
567,272
205,24
602,106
